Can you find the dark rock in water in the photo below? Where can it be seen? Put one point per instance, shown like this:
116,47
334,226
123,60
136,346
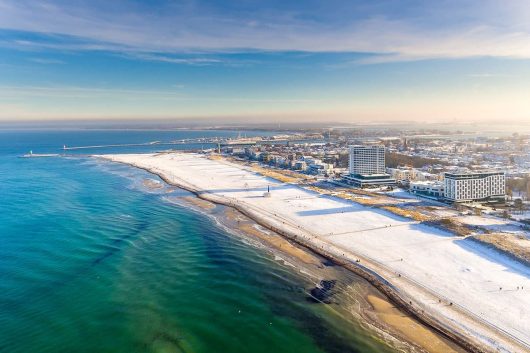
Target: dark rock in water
328,263
322,292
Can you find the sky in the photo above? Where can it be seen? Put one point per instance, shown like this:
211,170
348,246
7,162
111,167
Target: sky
277,60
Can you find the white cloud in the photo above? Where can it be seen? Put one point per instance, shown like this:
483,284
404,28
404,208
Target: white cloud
23,92
493,29
46,61
197,61
175,92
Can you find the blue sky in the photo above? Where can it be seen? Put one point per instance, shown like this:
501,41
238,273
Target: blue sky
279,60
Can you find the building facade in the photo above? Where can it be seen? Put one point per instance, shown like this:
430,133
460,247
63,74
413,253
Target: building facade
475,186
367,160
432,189
401,174
370,181
367,167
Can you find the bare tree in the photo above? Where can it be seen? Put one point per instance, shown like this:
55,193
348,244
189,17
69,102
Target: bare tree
519,205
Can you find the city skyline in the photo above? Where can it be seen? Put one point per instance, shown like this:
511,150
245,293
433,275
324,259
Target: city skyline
324,61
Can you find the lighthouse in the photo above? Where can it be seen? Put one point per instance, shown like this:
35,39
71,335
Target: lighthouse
268,193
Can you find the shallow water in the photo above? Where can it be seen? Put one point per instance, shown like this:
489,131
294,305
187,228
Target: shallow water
91,260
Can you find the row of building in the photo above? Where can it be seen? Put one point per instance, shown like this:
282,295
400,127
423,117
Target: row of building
301,161
367,169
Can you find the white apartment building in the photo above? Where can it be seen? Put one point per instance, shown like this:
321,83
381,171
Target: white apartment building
475,186
401,174
411,174
433,189
367,160
319,168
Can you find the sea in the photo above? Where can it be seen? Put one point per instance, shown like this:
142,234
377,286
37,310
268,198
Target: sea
93,260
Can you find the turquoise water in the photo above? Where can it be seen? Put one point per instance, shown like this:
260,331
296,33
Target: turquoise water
93,261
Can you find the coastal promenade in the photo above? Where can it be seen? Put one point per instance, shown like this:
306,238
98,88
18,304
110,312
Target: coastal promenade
473,294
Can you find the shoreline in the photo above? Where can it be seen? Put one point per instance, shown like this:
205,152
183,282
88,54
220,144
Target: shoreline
372,272
364,306
373,281
375,310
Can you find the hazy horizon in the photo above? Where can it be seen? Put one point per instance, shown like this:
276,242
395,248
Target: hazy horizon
486,129
250,61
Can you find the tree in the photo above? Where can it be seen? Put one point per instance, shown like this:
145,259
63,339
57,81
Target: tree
519,205
394,160
509,192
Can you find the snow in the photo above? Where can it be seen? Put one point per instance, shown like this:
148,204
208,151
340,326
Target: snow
400,193
495,224
432,264
521,216
483,221
445,212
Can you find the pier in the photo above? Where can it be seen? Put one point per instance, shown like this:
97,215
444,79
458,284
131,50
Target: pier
213,141
40,155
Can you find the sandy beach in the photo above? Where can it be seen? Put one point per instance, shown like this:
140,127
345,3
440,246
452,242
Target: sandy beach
472,294
356,297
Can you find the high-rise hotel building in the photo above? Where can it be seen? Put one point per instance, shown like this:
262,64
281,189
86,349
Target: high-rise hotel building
367,167
475,186
367,160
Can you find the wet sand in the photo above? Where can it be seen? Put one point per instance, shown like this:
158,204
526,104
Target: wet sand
152,184
272,239
408,328
203,204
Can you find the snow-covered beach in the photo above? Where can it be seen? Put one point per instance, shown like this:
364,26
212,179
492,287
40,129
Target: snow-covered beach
462,285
